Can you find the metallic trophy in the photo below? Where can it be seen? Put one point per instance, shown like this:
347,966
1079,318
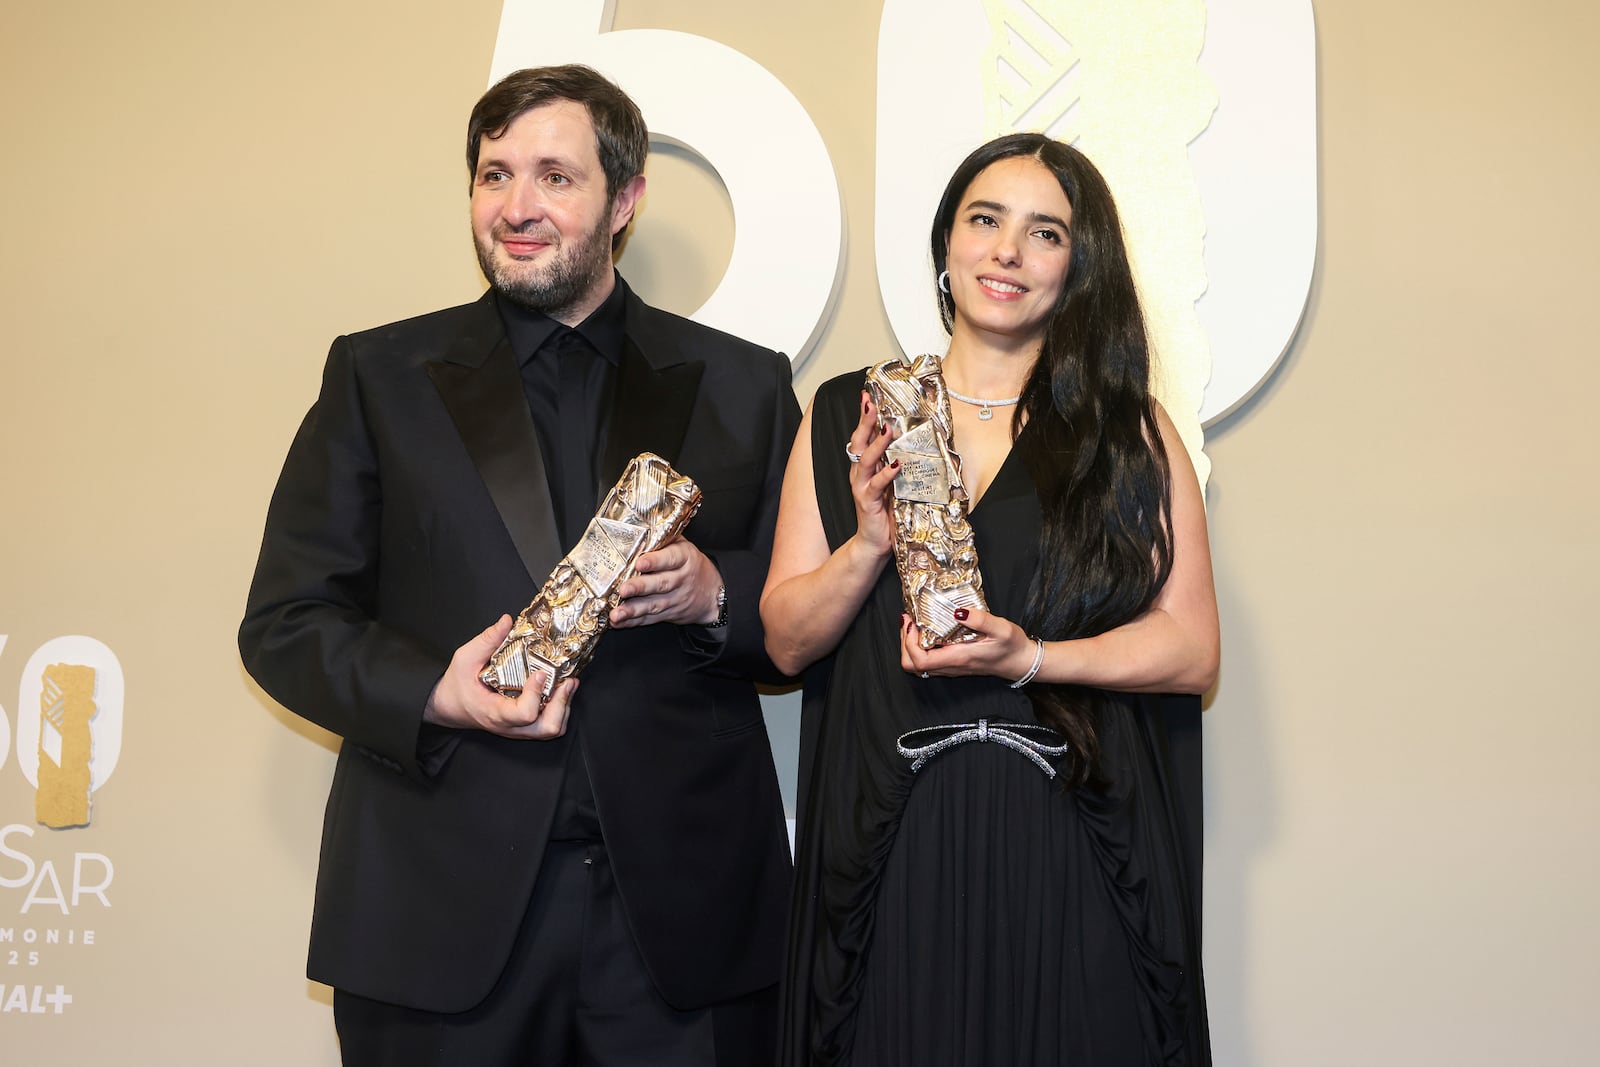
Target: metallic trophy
933,546
556,635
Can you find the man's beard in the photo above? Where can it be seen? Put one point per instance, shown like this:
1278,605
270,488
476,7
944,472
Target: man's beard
564,282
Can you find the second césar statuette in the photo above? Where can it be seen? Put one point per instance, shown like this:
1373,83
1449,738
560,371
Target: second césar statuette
557,633
933,543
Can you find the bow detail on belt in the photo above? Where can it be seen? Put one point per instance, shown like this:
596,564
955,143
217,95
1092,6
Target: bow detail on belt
1013,735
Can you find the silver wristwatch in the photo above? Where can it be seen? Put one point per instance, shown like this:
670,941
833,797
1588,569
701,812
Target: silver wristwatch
722,608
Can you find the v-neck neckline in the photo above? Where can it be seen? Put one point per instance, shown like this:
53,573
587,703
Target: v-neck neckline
999,474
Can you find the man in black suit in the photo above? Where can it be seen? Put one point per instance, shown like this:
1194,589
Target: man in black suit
601,879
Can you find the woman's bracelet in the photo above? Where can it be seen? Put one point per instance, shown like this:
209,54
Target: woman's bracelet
1038,661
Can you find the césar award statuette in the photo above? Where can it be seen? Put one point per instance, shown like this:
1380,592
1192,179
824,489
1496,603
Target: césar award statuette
556,635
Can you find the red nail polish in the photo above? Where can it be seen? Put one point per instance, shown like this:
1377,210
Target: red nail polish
895,465
961,615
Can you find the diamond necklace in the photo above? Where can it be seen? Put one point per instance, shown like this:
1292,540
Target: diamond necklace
986,407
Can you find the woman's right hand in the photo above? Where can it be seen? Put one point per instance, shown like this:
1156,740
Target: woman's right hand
871,479
813,590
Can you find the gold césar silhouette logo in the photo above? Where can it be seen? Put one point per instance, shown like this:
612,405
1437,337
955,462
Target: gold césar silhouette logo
66,705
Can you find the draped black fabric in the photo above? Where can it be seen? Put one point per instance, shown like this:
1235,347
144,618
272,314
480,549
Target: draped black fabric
975,911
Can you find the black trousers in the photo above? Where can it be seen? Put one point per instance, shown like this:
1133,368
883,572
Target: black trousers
574,994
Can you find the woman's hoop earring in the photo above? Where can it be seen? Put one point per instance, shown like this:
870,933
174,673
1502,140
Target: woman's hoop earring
944,282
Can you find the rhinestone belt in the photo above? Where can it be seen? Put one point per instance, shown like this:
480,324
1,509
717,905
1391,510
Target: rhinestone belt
1013,735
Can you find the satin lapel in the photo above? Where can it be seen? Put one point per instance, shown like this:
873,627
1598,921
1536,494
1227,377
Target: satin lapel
482,389
656,388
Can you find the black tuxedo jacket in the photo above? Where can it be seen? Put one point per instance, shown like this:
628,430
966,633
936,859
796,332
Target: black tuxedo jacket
412,511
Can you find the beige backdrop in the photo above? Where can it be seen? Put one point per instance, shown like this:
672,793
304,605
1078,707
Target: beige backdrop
1401,793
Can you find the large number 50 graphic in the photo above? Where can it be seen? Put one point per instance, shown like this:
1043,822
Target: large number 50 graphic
951,73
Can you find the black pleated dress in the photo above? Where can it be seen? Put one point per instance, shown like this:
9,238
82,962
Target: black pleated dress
974,912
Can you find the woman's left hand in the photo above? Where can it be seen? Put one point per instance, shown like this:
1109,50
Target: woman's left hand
1002,650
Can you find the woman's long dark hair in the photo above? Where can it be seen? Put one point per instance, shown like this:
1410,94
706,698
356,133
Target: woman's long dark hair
1087,430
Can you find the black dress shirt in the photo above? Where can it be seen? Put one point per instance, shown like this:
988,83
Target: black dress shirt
569,375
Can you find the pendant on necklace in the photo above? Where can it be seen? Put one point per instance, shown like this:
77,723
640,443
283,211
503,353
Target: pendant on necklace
985,413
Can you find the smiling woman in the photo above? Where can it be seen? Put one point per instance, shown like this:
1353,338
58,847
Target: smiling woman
1009,250
955,904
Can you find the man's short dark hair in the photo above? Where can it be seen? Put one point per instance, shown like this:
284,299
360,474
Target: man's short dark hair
620,133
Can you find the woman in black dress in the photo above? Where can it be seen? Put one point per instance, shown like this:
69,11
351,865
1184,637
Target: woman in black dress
983,908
